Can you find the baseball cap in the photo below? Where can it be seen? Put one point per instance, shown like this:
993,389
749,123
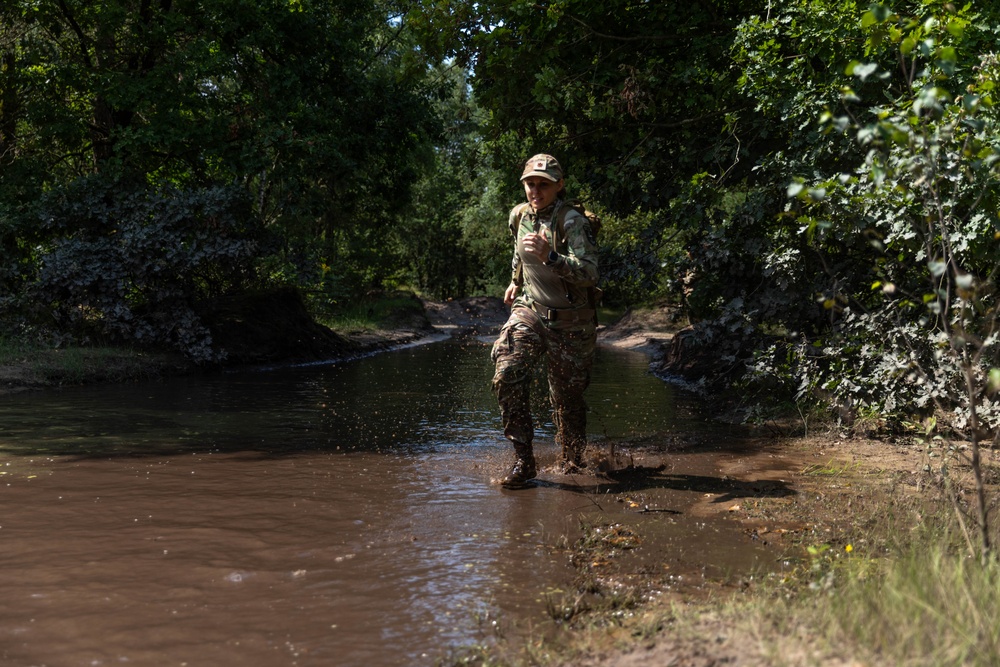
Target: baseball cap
543,165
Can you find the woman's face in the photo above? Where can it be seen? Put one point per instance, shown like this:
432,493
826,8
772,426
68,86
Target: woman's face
541,192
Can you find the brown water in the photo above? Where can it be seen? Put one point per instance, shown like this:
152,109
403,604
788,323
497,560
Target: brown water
326,515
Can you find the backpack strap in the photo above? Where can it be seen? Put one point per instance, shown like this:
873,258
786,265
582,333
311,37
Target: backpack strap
518,214
563,208
514,222
559,224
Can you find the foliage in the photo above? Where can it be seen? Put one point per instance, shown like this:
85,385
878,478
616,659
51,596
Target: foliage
434,244
127,264
309,108
908,236
629,96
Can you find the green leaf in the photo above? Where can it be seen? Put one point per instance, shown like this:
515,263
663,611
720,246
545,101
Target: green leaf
994,380
847,94
948,54
877,14
956,27
881,12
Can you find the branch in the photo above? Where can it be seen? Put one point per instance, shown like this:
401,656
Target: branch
691,121
620,38
84,40
385,47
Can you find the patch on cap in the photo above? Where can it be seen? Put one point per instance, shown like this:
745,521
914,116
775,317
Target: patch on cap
543,165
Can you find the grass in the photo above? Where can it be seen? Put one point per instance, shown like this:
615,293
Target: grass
609,315
910,595
26,364
384,311
932,605
830,469
13,350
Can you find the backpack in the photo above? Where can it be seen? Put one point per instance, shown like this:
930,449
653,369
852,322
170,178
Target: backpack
592,218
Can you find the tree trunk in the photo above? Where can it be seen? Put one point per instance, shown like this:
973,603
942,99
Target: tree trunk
9,107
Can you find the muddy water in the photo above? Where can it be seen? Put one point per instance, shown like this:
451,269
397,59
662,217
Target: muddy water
327,515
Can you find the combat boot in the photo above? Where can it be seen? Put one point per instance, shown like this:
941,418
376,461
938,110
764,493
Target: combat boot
572,458
523,470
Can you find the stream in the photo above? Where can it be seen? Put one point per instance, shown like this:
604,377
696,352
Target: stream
330,514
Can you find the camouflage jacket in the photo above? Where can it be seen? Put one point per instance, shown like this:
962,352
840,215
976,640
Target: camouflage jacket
553,288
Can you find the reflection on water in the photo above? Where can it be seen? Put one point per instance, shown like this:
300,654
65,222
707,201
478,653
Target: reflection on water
416,399
333,514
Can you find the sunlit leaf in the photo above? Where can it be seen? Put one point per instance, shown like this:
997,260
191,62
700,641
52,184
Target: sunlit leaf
863,71
956,27
994,380
948,53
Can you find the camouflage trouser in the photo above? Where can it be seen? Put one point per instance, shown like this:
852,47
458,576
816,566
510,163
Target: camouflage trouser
522,342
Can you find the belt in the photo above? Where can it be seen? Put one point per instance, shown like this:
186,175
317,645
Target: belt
563,314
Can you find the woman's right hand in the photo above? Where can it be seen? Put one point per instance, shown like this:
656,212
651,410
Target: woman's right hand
510,294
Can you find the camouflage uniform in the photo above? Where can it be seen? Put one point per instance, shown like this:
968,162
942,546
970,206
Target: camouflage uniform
552,314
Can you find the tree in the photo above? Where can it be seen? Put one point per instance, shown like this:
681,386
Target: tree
636,98
924,335
847,224
304,107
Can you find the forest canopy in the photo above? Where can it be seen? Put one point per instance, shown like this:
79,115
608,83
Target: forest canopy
813,182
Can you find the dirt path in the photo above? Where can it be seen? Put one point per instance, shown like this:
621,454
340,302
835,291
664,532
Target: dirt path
646,330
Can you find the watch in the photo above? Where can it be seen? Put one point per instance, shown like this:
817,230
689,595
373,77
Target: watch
553,258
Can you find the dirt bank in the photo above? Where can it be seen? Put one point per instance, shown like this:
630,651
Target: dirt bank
274,327
265,328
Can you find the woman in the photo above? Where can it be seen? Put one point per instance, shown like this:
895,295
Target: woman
554,271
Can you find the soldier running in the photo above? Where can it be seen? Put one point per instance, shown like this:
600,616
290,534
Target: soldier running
551,294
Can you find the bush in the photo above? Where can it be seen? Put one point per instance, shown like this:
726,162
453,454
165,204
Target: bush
128,263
